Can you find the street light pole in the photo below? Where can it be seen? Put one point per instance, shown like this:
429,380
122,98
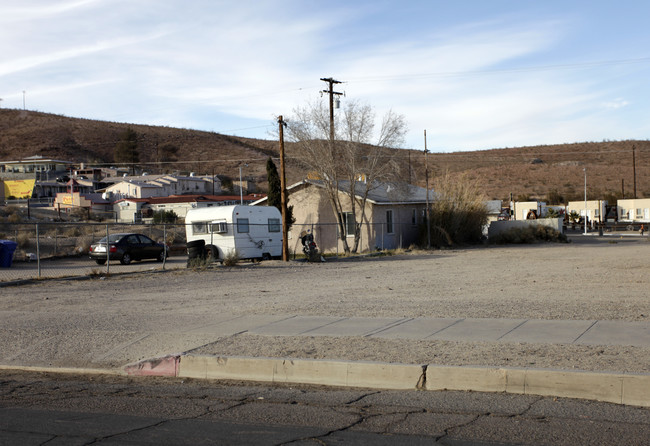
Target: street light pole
241,188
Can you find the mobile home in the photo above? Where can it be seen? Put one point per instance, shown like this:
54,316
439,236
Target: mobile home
253,232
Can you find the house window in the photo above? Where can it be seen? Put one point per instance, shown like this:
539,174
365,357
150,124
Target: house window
199,227
348,223
274,225
389,221
639,213
242,225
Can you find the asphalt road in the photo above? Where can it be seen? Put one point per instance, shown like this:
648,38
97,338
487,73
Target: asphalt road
83,266
39,408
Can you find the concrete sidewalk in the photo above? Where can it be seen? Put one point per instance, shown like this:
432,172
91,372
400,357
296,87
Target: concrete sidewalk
533,331
621,388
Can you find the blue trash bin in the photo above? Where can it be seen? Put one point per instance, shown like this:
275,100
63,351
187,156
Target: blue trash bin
7,248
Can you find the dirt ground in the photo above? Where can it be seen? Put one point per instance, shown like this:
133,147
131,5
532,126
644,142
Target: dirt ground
592,278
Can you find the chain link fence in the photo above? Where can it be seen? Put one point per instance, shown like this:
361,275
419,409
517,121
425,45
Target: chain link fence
42,250
61,249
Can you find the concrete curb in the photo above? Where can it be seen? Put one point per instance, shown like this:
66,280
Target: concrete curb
619,388
68,370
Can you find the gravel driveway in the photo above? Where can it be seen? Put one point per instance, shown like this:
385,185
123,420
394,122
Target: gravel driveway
62,323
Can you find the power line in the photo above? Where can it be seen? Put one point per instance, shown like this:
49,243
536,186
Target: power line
572,66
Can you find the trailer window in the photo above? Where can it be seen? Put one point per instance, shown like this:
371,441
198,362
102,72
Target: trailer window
219,227
274,225
242,225
199,227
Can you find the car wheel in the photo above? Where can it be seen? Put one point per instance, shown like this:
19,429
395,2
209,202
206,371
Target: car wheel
100,261
126,259
161,256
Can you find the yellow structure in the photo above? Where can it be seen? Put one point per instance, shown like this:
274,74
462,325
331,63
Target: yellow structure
18,188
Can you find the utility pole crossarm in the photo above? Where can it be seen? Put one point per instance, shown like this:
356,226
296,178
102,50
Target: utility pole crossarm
331,93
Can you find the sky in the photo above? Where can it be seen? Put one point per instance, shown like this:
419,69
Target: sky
474,74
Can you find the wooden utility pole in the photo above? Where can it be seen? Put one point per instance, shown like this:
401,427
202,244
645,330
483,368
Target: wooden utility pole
283,194
426,179
330,81
634,168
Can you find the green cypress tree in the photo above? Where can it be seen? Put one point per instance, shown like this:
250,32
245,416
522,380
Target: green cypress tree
274,197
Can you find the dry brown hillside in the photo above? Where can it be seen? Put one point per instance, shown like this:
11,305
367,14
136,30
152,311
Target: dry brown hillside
545,172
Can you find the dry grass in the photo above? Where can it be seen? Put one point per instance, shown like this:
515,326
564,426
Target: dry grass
231,258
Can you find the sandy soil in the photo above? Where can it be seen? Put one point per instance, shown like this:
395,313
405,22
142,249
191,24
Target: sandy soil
590,278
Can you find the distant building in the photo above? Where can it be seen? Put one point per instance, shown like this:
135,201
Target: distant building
146,186
135,210
594,211
34,166
634,210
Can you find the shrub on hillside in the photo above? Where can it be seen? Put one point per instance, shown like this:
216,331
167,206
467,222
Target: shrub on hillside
529,235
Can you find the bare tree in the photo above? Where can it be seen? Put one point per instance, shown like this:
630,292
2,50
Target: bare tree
356,162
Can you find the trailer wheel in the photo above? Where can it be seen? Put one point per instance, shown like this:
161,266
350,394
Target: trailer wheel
195,249
211,253
266,256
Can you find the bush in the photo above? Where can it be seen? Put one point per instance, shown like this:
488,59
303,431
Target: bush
529,235
82,245
23,240
457,213
231,258
164,217
198,263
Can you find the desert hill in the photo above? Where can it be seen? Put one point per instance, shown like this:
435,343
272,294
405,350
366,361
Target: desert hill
546,172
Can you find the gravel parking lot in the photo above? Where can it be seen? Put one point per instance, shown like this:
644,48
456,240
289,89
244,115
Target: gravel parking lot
592,278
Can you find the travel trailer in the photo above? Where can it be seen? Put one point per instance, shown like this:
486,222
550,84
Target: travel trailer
253,232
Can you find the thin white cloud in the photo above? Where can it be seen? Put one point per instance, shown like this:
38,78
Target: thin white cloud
217,62
617,103
30,10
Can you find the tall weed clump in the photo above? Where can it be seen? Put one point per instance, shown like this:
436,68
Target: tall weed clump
457,212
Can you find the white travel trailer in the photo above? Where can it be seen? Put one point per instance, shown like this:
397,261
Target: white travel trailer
253,232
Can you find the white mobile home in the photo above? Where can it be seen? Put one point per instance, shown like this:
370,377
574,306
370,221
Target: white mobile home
252,231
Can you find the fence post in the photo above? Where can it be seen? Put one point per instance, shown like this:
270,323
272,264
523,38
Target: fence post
164,245
108,253
38,252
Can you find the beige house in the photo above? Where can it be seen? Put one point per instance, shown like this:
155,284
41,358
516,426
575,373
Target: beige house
523,210
146,186
595,210
393,216
634,210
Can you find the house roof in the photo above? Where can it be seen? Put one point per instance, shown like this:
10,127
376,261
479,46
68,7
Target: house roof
191,199
36,159
379,193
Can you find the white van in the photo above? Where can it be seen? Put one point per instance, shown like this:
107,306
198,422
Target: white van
253,232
